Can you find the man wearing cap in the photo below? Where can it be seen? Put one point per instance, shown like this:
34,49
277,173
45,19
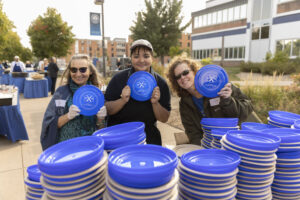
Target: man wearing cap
17,65
122,108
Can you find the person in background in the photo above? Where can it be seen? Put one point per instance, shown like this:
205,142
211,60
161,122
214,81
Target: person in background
118,64
122,108
5,64
17,65
62,119
45,64
28,64
52,73
231,102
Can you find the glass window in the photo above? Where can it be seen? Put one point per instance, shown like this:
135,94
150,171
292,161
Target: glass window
219,17
240,52
188,44
255,33
265,32
287,46
243,11
209,16
220,52
235,52
196,22
230,53
207,53
214,18
204,20
226,53
204,54
279,45
225,15
236,12
296,48
200,21
200,56
230,14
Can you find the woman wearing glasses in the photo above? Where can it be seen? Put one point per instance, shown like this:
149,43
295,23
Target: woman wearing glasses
62,120
193,106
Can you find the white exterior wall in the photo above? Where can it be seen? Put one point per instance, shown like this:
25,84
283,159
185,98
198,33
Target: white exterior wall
235,40
209,43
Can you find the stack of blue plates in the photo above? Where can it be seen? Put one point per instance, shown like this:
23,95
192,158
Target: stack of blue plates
34,188
74,169
254,126
217,135
208,174
258,161
286,183
142,172
122,135
216,123
296,124
282,119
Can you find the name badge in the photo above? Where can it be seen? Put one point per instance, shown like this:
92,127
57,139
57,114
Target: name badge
214,101
60,103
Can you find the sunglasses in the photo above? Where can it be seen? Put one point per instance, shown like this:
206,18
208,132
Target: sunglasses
81,69
184,73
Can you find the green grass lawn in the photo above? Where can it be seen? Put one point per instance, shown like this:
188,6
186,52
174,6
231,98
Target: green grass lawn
232,73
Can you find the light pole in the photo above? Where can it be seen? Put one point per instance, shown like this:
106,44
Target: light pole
101,2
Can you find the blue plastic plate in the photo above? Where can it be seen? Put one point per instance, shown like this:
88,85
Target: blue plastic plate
297,124
210,79
34,173
254,126
219,122
215,161
71,156
253,140
89,99
142,166
141,84
283,117
287,135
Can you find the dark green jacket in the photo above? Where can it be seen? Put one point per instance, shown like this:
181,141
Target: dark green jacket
237,106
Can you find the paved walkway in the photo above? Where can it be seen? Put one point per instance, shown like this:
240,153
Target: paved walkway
16,157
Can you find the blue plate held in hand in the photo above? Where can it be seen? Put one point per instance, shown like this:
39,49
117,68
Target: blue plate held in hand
89,99
141,84
210,79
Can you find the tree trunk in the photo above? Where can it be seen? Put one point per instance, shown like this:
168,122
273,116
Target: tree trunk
162,60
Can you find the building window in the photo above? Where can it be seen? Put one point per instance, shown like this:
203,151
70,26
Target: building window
226,53
279,45
188,44
230,14
204,20
225,15
209,16
200,21
236,13
243,11
290,47
255,33
214,18
296,48
219,17
265,32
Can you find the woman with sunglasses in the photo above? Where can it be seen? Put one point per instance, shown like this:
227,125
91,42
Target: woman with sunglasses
122,108
62,120
193,106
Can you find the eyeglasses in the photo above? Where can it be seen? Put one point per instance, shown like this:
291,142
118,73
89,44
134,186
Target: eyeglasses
81,69
184,73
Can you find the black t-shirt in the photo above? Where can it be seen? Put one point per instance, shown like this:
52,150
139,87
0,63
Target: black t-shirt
137,110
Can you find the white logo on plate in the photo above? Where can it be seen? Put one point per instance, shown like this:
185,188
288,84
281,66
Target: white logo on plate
141,84
89,98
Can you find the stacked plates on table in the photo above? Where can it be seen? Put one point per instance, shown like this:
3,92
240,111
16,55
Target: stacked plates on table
122,135
282,119
34,189
142,172
286,183
216,123
258,161
217,135
254,126
296,125
208,174
74,169
185,148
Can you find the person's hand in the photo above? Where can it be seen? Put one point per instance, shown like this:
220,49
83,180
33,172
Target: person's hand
101,114
73,112
226,91
155,95
125,95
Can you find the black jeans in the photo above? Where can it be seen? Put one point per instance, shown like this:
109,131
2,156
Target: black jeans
53,81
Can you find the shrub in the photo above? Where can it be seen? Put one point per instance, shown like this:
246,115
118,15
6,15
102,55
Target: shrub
280,57
159,69
206,61
251,67
281,68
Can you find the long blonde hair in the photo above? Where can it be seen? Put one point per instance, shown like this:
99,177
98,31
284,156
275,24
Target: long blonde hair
95,78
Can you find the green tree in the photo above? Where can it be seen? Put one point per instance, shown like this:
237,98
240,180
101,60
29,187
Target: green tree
50,35
5,26
160,24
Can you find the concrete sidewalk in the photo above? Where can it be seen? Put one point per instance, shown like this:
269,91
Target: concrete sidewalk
16,157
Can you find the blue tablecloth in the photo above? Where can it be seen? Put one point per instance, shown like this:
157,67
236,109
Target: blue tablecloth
12,123
36,88
49,82
6,79
18,82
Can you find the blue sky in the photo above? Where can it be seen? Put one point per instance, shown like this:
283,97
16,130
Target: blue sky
118,15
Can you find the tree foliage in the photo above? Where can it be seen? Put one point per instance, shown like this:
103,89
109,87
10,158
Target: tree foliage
160,24
50,35
176,50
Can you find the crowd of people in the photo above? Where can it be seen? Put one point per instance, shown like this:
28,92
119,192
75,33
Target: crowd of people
62,119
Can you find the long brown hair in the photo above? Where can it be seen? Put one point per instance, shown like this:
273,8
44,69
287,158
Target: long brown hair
94,77
193,65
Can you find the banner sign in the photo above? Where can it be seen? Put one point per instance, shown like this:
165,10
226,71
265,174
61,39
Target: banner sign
95,24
